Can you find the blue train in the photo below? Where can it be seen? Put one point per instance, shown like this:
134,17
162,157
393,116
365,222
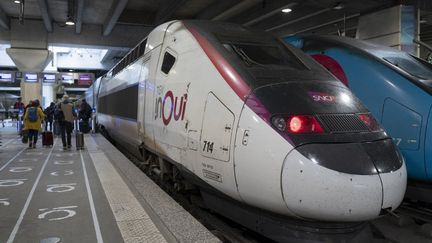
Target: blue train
395,86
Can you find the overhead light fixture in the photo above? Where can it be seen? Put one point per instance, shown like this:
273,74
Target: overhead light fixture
17,1
286,10
338,6
70,13
69,21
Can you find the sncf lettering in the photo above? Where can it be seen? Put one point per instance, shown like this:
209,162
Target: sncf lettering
324,98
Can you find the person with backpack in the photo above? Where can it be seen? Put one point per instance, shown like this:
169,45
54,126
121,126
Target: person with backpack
65,115
49,116
85,113
32,122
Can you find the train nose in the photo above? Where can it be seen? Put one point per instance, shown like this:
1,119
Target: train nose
343,182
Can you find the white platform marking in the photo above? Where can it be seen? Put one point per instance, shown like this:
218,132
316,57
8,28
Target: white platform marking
7,163
11,182
5,201
20,169
125,207
25,160
68,210
61,187
30,196
34,153
66,173
63,162
92,207
8,142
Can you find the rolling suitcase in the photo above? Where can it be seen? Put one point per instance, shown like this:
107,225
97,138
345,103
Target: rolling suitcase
84,127
47,138
79,139
56,128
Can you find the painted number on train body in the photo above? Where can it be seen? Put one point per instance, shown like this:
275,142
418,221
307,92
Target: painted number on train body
208,147
397,141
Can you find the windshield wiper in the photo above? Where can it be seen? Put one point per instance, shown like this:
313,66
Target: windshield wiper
245,57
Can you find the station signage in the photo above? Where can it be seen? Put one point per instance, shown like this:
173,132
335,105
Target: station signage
49,77
85,79
31,77
6,77
67,78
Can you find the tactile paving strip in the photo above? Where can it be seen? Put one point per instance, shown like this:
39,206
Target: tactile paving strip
134,223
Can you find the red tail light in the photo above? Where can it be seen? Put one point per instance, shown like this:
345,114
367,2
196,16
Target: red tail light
370,121
298,124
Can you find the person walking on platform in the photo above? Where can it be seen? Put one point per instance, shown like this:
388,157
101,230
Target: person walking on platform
32,122
65,116
49,116
85,113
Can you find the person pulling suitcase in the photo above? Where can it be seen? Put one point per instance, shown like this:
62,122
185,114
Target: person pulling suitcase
65,115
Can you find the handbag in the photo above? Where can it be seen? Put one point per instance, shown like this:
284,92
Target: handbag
24,138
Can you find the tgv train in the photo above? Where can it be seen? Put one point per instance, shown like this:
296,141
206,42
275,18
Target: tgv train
268,135
395,86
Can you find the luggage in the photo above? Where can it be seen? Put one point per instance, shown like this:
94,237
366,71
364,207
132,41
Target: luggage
24,135
56,128
79,138
84,127
47,139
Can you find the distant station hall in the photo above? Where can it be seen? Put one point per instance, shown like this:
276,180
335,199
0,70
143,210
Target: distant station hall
237,121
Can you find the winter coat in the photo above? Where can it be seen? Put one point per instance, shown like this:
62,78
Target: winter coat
33,125
68,111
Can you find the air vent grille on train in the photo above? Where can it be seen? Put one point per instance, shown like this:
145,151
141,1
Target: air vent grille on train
342,123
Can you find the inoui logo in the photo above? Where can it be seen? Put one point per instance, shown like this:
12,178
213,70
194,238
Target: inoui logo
170,107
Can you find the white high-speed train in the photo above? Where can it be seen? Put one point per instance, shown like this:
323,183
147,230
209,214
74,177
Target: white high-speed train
270,137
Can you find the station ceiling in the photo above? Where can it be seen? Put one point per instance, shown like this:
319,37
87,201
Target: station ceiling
325,16
122,23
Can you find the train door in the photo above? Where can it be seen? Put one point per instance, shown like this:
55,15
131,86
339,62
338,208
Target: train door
145,89
217,167
151,60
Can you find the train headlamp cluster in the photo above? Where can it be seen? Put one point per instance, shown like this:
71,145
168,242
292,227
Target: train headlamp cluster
298,124
302,124
370,121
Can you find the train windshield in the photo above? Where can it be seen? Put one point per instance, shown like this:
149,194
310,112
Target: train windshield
259,54
411,65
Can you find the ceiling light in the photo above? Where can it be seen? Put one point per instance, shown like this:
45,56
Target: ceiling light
338,6
286,10
17,1
69,21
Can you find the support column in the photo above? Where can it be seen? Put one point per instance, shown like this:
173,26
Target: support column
395,27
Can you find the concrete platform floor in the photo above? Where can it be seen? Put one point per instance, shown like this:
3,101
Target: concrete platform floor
49,195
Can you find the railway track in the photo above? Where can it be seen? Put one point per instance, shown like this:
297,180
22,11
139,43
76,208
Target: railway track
422,214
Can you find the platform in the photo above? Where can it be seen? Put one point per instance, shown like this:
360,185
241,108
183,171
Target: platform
49,195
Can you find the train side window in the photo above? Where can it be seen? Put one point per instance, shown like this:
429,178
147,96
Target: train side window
168,62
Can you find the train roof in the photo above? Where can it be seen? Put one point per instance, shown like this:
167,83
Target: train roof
226,37
414,69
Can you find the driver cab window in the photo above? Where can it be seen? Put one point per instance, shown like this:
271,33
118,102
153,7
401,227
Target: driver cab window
168,62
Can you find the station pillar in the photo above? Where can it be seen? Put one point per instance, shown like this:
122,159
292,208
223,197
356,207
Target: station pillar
31,91
396,27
